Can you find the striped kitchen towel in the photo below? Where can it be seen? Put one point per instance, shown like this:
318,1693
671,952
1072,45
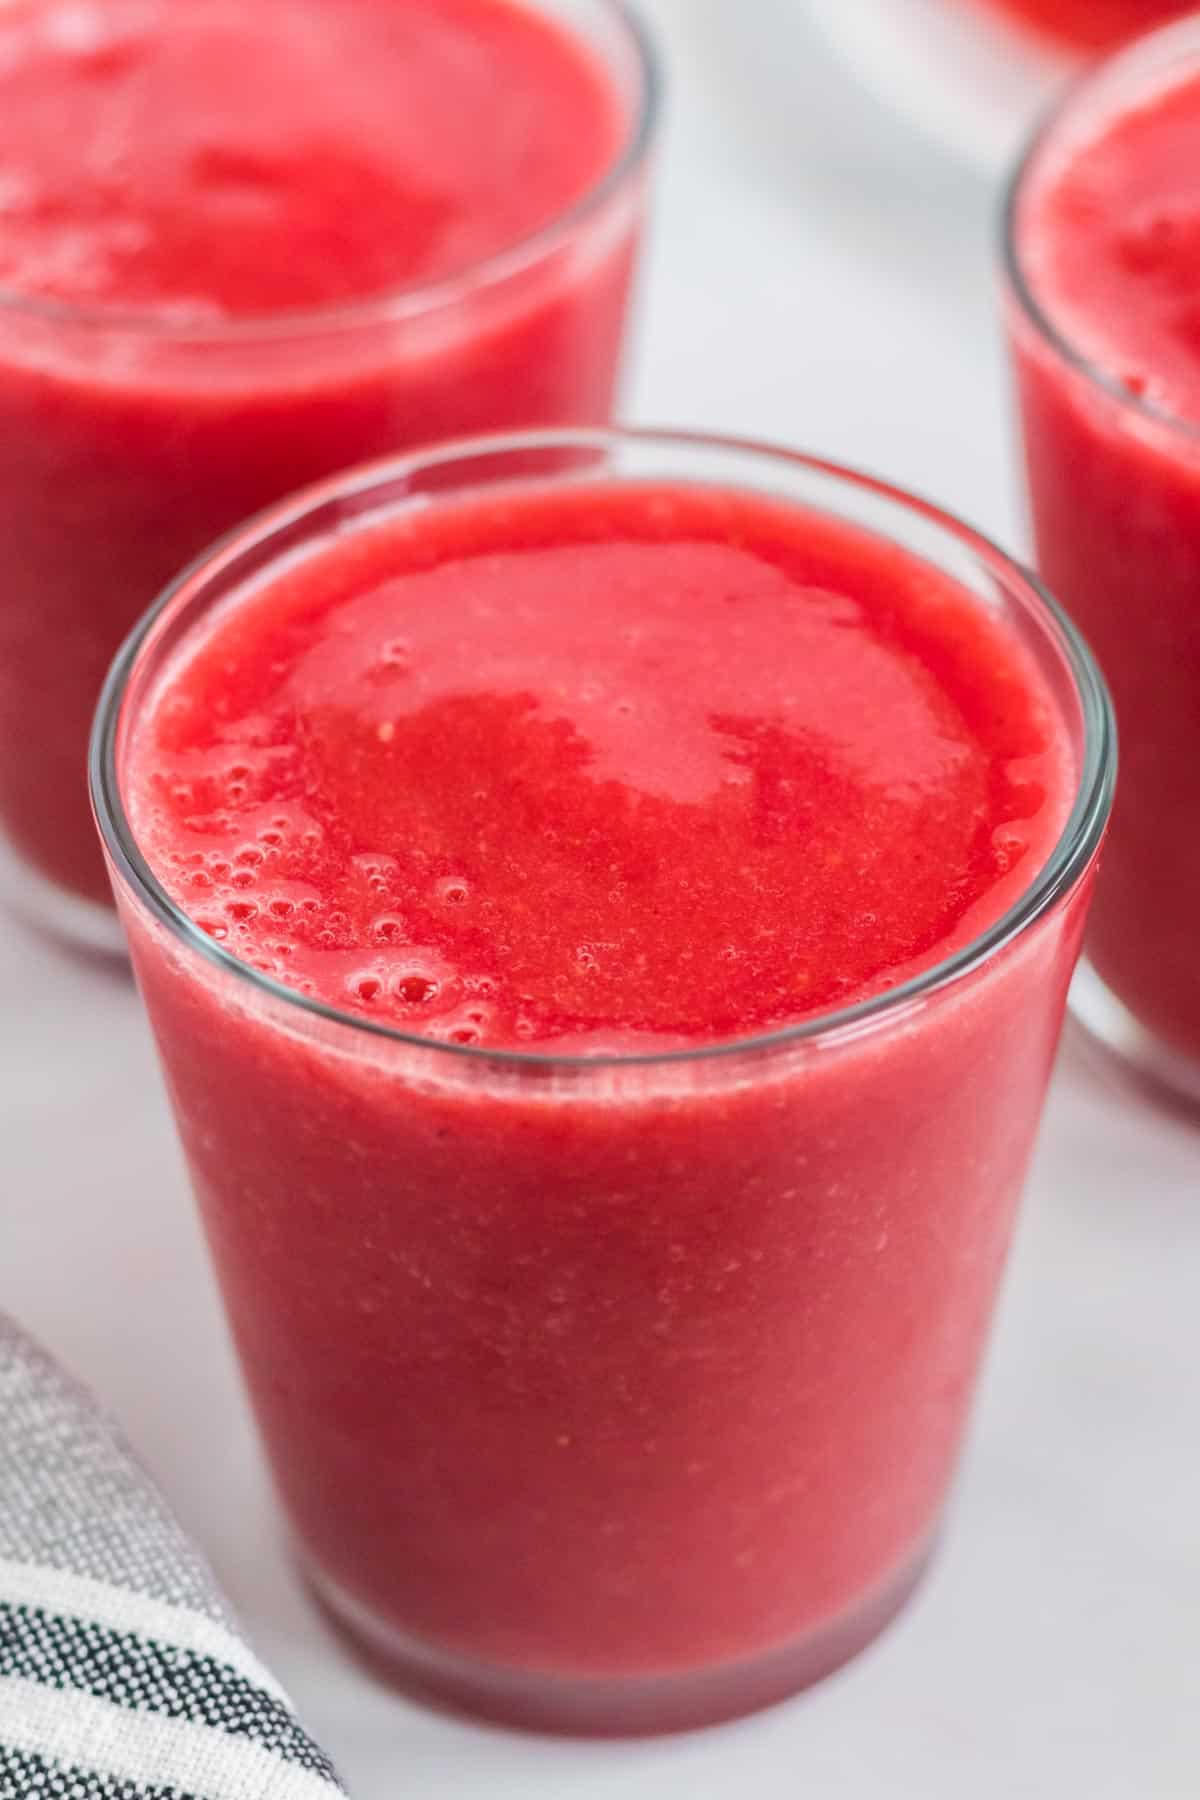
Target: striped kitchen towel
122,1673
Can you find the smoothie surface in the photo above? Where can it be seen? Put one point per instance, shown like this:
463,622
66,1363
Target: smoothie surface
213,159
618,767
1109,239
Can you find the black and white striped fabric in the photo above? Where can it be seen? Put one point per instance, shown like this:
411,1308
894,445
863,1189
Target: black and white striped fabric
122,1674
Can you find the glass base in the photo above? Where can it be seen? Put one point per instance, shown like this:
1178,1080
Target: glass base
970,81
614,1705
80,925
1130,1051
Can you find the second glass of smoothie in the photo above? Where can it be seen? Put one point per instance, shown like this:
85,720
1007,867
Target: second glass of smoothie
241,246
1103,248
606,905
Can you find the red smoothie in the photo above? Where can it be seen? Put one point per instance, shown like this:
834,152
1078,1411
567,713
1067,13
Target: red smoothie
1106,326
613,1365
412,782
1087,25
242,246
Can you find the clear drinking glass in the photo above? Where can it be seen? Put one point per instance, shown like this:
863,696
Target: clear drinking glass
612,1393
956,70
973,74
1114,485
127,443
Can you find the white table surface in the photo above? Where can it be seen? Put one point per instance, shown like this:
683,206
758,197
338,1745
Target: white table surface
819,277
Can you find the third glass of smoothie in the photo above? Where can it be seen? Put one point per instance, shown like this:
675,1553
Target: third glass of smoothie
1104,312
606,905
1084,26
241,246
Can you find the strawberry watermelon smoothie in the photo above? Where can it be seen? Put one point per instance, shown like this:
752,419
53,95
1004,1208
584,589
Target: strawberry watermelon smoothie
1106,329
543,896
1087,25
242,246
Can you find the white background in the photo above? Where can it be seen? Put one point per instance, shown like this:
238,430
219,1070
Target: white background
821,277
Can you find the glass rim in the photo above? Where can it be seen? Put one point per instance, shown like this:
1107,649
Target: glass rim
1183,33
396,305
1073,852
